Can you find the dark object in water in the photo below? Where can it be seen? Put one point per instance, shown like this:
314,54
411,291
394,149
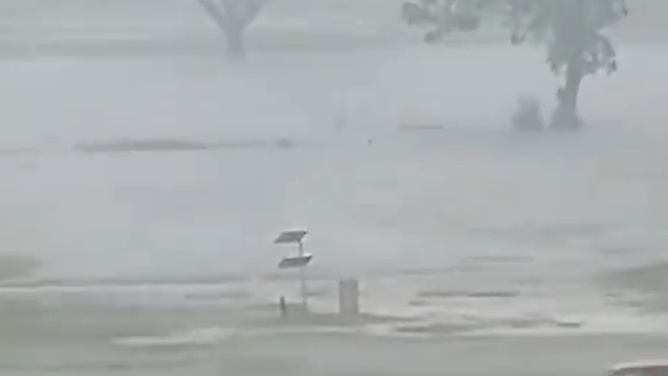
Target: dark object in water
528,117
141,145
421,127
283,307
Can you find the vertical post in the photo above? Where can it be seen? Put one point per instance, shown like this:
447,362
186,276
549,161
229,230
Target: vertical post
302,279
349,297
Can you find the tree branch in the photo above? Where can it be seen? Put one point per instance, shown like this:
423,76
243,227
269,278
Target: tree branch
215,13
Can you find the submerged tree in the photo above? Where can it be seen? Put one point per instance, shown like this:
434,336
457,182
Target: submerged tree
233,18
572,30
577,46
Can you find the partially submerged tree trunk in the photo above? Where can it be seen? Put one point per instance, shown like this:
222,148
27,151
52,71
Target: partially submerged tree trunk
233,18
566,116
236,50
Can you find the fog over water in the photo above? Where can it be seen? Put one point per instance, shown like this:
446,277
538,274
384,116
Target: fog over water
146,178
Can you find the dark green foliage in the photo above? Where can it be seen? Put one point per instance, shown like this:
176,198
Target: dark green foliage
572,29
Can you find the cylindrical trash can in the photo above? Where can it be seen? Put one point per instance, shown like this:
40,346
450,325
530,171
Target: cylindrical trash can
349,297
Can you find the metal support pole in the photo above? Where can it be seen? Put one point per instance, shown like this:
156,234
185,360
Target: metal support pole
302,279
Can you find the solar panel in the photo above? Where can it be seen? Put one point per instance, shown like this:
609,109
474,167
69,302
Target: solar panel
291,237
294,261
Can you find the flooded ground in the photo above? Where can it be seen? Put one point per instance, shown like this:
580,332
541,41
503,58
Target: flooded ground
141,196
87,344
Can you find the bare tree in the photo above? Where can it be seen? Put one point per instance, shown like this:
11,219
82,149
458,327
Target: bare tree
233,18
571,29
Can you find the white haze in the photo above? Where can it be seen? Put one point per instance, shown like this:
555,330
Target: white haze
373,196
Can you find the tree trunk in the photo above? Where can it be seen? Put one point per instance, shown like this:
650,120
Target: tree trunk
566,117
236,50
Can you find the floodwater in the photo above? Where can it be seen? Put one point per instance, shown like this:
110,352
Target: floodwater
479,251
